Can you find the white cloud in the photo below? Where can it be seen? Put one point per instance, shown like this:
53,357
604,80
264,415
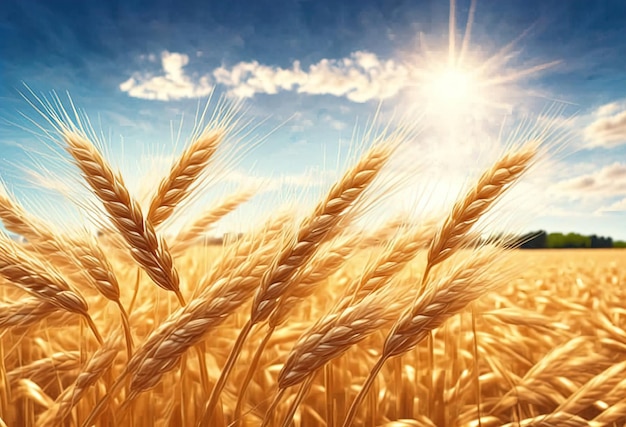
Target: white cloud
609,127
174,84
610,181
359,78
607,109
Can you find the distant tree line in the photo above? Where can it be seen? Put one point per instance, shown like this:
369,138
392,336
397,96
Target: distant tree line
543,240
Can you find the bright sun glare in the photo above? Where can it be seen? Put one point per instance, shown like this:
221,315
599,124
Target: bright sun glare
455,82
452,85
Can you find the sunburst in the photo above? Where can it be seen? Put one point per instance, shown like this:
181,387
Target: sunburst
457,81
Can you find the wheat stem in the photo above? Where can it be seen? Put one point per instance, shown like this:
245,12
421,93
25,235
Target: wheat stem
252,367
228,366
369,381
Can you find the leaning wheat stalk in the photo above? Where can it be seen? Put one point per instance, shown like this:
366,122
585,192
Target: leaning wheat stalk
46,368
149,250
472,206
41,281
325,263
223,292
438,302
27,312
176,186
371,284
317,228
332,336
192,232
95,368
80,252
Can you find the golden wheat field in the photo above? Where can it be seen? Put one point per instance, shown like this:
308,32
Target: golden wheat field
302,321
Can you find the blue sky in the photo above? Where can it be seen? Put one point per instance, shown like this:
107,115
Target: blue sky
324,66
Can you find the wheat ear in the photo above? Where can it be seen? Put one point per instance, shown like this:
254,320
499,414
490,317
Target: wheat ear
325,263
400,251
26,312
95,368
46,368
175,187
80,252
432,308
41,281
223,292
192,232
316,229
470,208
336,332
92,259
150,251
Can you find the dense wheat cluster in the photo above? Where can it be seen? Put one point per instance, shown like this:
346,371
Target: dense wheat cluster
302,320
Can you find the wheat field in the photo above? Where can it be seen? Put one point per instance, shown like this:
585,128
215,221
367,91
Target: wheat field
301,321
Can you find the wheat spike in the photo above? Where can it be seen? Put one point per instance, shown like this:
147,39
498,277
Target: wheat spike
192,232
175,187
95,368
469,208
336,332
27,312
439,301
45,368
223,291
320,226
150,251
39,280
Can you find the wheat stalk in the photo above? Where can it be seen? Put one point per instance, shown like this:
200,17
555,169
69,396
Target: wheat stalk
150,251
45,368
317,228
190,233
79,252
440,301
339,330
27,312
48,243
41,281
325,263
176,186
99,363
223,292
472,206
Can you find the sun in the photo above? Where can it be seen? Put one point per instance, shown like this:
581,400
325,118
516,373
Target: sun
459,81
452,85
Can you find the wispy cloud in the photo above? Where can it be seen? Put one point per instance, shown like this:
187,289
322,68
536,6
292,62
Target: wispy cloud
610,181
361,77
173,84
609,128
